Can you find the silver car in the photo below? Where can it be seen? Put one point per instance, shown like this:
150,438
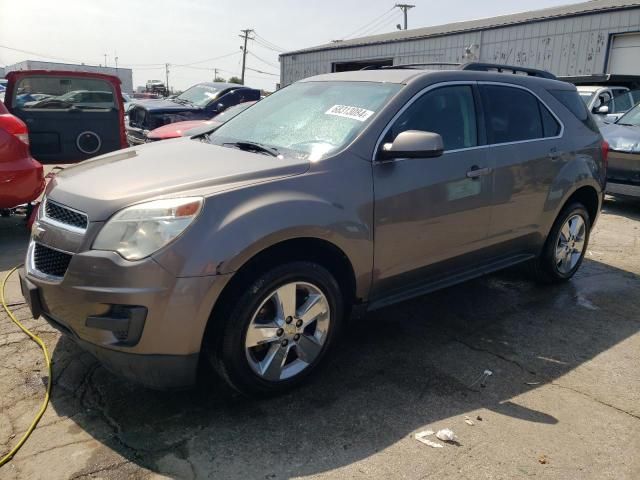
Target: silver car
249,247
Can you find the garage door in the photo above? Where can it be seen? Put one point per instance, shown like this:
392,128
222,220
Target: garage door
625,55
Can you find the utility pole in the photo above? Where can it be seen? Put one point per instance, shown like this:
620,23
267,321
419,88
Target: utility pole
166,71
105,59
245,35
116,59
405,8
215,74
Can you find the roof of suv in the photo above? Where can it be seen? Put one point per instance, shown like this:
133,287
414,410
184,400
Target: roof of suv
405,75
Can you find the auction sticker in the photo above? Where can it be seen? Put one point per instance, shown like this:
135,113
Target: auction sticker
355,113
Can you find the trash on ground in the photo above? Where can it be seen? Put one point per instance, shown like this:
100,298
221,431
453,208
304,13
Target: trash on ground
532,383
422,437
446,435
468,421
482,378
542,459
479,418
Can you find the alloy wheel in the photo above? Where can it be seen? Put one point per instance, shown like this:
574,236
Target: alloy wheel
288,331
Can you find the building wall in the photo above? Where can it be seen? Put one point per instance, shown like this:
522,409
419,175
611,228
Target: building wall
568,46
125,74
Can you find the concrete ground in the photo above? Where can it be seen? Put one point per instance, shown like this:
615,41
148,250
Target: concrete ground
563,400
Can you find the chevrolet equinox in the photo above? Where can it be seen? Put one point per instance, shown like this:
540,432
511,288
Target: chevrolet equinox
249,246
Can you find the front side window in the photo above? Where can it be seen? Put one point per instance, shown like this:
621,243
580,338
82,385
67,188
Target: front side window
448,111
621,101
513,115
308,119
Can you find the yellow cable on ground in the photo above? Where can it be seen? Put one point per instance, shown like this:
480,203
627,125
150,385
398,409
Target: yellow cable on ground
39,341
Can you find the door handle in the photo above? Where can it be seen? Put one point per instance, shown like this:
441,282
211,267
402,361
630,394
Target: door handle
477,172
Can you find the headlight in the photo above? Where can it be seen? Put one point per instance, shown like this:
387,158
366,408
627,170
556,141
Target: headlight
140,230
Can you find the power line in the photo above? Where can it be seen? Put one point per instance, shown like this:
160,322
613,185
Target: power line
266,43
207,59
40,54
391,15
363,27
391,21
263,60
260,71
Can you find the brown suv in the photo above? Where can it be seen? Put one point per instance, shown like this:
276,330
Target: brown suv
251,244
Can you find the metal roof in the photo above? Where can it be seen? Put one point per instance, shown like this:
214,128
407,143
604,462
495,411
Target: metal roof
593,6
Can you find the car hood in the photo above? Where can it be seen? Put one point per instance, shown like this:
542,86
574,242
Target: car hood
178,167
176,129
623,138
163,105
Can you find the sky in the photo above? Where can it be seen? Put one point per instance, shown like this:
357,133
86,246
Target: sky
196,36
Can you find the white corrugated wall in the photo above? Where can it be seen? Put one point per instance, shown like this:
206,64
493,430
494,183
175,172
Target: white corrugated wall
567,46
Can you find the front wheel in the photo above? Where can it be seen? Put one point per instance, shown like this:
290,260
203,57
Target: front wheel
565,247
278,330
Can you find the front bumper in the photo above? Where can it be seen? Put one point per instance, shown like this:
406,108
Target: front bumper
158,348
137,136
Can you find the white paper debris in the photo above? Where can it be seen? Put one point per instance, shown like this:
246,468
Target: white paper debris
446,435
468,421
421,437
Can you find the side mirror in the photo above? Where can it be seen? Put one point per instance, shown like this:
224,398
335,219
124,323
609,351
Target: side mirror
220,107
603,110
413,144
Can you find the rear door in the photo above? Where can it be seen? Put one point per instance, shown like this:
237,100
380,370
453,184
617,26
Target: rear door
71,116
525,146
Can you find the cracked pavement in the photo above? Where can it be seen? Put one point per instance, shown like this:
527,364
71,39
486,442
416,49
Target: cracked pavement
563,400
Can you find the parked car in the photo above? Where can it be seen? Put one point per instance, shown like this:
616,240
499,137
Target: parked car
156,86
609,101
195,127
248,247
623,173
200,102
81,117
76,98
21,177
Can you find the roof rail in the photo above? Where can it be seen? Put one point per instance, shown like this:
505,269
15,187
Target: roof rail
495,67
410,65
472,66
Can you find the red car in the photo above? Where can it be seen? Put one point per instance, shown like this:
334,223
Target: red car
21,177
182,129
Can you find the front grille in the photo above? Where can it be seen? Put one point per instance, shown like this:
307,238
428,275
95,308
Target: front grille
65,215
49,261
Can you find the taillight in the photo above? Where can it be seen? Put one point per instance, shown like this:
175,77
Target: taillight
15,126
604,147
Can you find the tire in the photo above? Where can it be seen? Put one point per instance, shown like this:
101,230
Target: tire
297,348
546,268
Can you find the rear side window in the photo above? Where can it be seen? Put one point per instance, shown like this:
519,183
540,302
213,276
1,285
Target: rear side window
571,100
61,93
448,111
513,115
621,101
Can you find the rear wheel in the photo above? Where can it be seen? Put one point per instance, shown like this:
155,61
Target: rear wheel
279,328
565,247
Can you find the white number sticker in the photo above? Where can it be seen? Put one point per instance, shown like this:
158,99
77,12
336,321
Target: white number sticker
355,113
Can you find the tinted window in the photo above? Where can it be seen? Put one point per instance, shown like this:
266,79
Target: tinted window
512,114
449,111
63,92
571,100
550,125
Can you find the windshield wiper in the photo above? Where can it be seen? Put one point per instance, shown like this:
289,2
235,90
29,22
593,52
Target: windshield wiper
627,124
254,147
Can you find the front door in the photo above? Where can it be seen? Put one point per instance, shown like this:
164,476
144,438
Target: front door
432,214
71,116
